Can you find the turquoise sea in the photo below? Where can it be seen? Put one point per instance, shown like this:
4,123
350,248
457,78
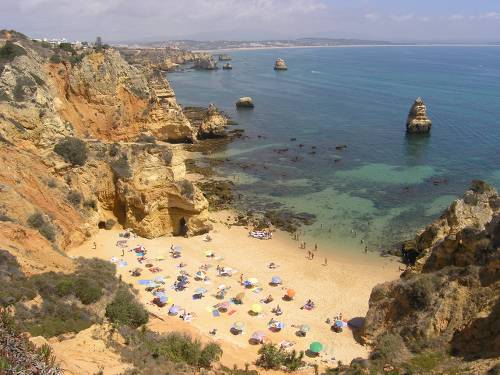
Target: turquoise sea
383,186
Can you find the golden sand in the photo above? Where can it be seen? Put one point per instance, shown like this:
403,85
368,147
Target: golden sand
342,286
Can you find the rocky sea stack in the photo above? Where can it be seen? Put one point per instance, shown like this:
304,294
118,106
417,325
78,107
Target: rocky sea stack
205,62
245,102
280,64
224,57
227,66
418,122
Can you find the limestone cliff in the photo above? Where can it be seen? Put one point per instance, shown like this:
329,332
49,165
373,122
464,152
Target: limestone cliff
451,296
124,115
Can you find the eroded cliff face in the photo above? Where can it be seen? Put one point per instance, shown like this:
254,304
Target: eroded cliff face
110,105
451,296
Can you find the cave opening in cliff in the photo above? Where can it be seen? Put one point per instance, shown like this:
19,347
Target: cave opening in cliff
183,228
101,225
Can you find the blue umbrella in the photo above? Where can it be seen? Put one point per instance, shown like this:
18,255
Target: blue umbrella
200,291
338,323
276,280
173,310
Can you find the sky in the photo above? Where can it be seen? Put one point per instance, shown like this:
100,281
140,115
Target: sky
157,20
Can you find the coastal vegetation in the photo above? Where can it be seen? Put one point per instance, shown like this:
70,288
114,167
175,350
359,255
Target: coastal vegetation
73,150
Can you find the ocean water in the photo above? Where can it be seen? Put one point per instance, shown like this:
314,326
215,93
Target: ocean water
382,186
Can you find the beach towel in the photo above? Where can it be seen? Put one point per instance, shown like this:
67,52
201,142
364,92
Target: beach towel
231,312
122,263
215,313
144,282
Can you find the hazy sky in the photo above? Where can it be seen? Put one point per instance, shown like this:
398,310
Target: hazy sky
118,20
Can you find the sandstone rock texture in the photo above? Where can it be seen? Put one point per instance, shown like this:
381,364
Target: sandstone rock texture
209,122
418,122
280,64
133,131
452,293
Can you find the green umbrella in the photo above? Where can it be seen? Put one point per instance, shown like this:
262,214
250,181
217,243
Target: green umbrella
316,347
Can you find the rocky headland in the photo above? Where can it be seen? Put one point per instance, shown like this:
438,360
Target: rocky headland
448,300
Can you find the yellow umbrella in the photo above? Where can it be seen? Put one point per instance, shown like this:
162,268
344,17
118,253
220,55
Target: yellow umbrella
256,308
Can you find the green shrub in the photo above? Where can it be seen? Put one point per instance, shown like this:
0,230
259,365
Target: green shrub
114,150
420,291
388,347
73,150
271,357
4,217
65,287
87,291
9,51
37,221
125,310
67,47
55,59
212,352
75,198
45,44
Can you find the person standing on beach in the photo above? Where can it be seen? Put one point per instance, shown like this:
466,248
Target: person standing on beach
326,262
123,252
241,279
315,247
94,246
366,249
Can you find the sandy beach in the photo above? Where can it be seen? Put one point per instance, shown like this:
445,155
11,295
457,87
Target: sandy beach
341,286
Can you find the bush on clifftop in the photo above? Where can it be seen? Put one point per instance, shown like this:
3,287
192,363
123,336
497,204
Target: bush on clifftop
73,150
10,51
39,222
125,310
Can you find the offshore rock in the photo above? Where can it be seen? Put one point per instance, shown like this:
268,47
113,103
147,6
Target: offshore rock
209,122
224,57
227,66
205,62
245,102
280,65
418,122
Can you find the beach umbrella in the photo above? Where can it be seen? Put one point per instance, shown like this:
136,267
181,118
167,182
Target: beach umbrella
173,310
290,293
253,280
200,274
276,280
160,279
258,335
209,253
177,248
238,326
316,347
200,291
256,308
304,328
221,287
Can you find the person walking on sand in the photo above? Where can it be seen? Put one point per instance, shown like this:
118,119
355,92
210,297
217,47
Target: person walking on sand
366,249
123,252
94,246
326,262
315,247
312,256
241,279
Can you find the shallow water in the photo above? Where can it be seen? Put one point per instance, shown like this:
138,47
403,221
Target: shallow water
381,186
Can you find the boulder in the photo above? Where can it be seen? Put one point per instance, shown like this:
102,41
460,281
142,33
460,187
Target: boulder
418,122
227,66
245,102
280,65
